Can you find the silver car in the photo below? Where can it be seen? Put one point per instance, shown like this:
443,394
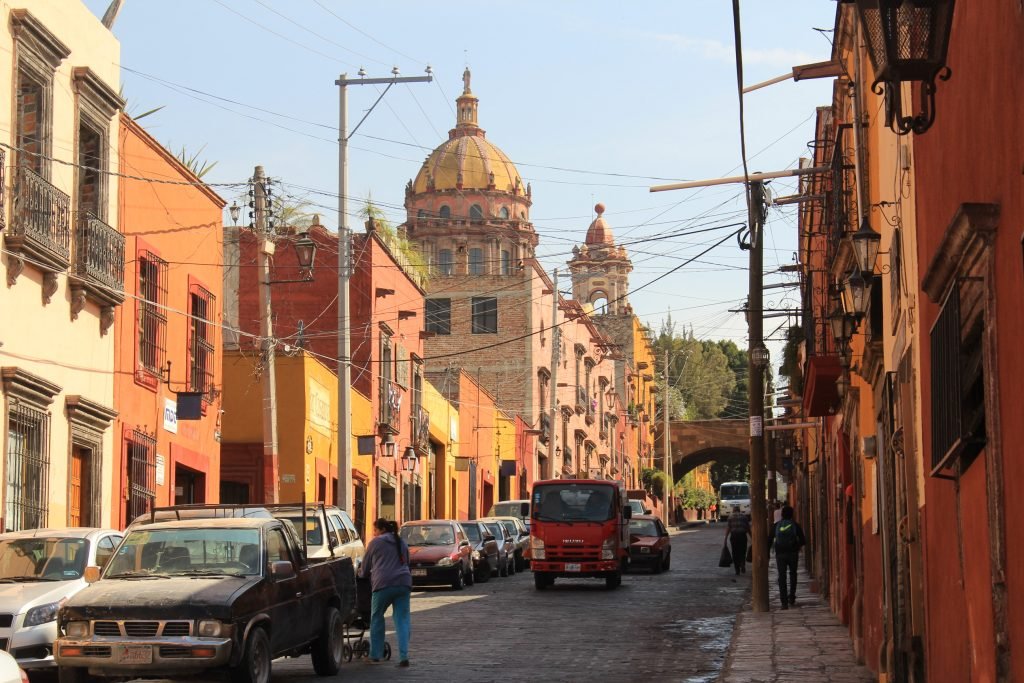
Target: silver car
39,570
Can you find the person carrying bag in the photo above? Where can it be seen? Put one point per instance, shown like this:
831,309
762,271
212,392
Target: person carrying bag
725,560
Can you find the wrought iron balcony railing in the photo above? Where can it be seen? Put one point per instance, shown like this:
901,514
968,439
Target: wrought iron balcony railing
421,428
99,256
40,222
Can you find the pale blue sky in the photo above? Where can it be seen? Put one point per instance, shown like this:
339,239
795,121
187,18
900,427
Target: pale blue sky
641,90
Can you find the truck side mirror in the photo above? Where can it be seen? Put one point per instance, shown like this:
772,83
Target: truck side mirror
627,511
281,569
91,574
524,509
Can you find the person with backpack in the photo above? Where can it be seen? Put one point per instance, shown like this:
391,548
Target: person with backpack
737,531
788,538
386,563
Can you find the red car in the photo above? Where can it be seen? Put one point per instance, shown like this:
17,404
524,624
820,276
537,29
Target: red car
439,553
649,544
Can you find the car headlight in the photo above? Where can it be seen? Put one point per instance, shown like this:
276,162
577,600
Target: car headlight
210,628
608,549
77,629
476,555
42,614
445,562
536,548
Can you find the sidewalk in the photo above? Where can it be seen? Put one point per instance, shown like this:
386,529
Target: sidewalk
804,644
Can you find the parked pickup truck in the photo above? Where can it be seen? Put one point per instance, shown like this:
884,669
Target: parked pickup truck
183,597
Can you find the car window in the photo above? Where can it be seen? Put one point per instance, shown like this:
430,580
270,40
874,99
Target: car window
105,550
510,527
277,549
340,532
472,531
353,533
643,527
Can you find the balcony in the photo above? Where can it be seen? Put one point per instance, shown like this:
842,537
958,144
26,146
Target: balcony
545,428
581,400
98,268
421,429
40,229
390,408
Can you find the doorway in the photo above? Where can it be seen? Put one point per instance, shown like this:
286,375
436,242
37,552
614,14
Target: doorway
81,485
189,486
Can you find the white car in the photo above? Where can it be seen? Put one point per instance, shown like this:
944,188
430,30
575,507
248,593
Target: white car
10,672
39,570
342,538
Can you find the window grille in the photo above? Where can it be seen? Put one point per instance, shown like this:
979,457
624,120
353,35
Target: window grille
28,467
141,474
200,343
485,315
439,316
152,316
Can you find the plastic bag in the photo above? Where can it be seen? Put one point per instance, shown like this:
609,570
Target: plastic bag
726,559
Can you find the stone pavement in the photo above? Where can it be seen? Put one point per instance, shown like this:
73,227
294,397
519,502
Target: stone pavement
807,643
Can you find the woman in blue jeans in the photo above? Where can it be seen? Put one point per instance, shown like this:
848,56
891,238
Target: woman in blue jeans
386,564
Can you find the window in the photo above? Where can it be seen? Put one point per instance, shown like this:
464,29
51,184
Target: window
485,315
200,341
504,213
439,316
151,325
33,125
422,213
506,262
476,261
359,505
277,548
445,262
105,550
28,467
476,213
141,474
445,212
390,395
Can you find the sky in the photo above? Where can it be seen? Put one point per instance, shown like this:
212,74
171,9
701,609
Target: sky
595,101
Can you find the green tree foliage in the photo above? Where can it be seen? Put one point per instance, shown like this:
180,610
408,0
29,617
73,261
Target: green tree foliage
721,471
653,481
739,399
699,375
397,240
790,368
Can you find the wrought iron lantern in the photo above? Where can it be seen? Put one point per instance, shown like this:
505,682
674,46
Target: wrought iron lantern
759,356
907,40
409,459
841,325
305,252
387,446
865,246
855,294
234,210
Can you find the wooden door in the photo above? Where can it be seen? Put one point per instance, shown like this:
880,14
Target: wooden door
80,502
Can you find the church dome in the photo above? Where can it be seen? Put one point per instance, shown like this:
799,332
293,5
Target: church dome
599,233
467,160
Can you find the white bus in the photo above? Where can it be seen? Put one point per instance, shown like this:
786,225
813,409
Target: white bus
731,494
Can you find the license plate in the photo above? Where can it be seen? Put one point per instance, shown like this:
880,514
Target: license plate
572,567
645,550
419,572
133,654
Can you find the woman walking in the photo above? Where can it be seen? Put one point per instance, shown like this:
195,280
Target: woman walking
386,564
736,532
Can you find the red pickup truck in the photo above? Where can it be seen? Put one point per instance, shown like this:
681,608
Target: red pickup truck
579,528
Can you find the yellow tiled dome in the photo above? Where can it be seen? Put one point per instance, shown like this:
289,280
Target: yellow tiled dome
467,157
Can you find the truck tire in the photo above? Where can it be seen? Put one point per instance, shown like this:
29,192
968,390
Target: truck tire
254,667
73,674
328,650
613,580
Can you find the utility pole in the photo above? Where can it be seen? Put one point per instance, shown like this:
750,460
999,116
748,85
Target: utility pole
271,477
757,358
343,495
666,459
554,374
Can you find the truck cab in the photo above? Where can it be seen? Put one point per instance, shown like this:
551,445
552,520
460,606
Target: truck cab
580,528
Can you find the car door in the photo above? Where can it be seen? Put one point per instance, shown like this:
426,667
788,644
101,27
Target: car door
289,627
104,550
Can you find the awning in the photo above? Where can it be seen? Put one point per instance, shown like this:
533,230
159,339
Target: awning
820,393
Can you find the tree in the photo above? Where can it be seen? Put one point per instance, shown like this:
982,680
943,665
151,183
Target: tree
700,371
722,471
653,481
739,399
396,240
790,368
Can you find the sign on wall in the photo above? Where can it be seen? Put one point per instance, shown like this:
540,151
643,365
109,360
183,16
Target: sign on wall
319,407
171,415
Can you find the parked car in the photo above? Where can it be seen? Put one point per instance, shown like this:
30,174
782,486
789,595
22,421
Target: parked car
39,570
341,540
484,547
520,537
439,553
638,507
649,544
182,598
506,547
512,508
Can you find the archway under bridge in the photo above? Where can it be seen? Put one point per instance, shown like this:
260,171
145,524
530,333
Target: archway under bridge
697,442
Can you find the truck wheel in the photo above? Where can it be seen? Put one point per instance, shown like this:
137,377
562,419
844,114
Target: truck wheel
612,581
329,648
254,667
73,674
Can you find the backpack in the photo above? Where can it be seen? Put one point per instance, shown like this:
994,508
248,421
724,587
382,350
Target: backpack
785,537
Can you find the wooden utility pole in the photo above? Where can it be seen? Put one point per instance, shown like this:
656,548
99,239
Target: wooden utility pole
666,460
271,475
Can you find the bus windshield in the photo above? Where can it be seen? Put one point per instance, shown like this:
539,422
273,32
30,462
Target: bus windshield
735,491
573,503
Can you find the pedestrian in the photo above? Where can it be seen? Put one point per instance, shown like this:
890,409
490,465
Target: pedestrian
386,564
788,538
737,531
776,512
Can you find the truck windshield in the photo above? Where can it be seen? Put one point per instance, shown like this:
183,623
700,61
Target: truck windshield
735,492
42,559
573,503
183,552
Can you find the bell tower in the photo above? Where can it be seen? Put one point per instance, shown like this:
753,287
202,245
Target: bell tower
600,270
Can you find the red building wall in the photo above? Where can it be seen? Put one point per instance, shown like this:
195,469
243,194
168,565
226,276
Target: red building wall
973,154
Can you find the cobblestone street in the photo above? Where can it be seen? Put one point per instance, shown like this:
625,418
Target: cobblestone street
674,626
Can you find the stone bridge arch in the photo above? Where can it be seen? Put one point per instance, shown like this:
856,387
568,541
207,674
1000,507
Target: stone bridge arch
696,442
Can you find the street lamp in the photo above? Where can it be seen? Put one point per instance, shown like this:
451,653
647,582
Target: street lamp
841,325
855,294
305,254
387,446
759,356
907,41
409,459
865,246
234,210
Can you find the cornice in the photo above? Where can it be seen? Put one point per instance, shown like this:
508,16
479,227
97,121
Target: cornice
23,384
972,229
48,45
88,413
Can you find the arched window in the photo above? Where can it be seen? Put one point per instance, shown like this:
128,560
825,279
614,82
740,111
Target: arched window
476,213
445,212
445,262
504,213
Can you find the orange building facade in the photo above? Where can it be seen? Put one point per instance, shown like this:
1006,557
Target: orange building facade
168,341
